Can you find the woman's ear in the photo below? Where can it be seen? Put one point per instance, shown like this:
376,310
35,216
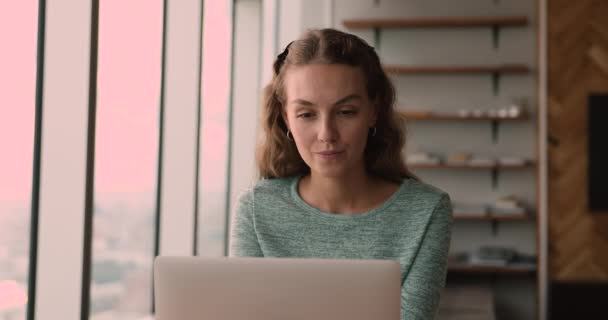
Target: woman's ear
285,119
374,114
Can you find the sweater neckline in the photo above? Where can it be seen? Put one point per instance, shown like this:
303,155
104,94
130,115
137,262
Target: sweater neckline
342,217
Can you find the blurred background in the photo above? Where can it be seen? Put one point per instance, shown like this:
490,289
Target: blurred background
128,130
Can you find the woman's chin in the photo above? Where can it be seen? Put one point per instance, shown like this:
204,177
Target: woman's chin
331,171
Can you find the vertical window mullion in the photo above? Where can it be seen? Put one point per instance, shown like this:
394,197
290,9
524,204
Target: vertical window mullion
215,128
181,93
245,98
35,200
63,159
128,86
90,166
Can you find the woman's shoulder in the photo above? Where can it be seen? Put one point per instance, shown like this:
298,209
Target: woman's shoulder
268,187
420,191
418,188
273,186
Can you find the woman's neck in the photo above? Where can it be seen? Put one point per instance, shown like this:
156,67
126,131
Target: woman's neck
348,194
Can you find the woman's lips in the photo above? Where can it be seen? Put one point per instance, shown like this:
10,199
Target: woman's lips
330,154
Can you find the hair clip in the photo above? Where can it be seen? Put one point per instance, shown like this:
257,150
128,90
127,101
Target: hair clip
281,59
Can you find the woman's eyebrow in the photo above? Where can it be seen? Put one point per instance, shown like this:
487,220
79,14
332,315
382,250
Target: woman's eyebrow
302,102
350,97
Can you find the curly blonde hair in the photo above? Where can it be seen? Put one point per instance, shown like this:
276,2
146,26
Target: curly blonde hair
278,157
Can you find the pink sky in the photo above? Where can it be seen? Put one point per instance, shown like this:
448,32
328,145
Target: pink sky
130,42
18,28
128,96
12,295
129,71
216,92
129,76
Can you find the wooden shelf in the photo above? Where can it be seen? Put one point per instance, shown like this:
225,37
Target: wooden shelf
467,166
458,69
492,217
478,269
432,116
437,22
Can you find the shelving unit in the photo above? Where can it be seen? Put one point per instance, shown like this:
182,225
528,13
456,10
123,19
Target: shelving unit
493,217
477,269
496,71
438,22
495,168
468,166
458,69
493,22
432,116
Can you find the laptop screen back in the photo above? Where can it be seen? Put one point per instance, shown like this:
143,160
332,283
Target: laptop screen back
276,288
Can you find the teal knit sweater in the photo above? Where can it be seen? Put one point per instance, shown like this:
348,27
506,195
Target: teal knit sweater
413,227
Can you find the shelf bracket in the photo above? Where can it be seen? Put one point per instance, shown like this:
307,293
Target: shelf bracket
494,227
377,40
495,82
494,178
495,124
495,36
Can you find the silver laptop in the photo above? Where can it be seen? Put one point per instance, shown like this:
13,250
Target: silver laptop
276,288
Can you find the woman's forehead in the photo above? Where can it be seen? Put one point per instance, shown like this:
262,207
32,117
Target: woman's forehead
323,82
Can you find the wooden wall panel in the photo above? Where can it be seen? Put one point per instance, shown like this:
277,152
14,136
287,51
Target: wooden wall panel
577,66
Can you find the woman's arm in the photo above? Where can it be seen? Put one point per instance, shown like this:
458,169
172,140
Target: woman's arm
243,239
427,275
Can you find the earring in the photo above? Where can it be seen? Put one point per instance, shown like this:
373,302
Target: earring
373,131
288,137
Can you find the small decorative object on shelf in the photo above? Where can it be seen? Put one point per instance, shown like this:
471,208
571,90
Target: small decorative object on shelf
492,113
469,210
464,113
490,217
478,113
423,158
513,161
495,115
455,302
418,114
479,160
508,205
491,258
506,208
514,111
466,160
458,159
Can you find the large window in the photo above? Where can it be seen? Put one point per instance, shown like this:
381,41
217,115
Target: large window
214,183
18,30
129,72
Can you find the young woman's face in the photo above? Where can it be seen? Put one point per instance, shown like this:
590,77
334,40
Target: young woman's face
329,114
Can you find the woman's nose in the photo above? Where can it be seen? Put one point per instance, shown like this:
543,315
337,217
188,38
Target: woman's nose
328,132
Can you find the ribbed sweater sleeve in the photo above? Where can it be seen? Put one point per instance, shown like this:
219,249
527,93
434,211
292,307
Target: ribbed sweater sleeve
427,275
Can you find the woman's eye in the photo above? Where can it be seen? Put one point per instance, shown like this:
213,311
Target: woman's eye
305,115
348,112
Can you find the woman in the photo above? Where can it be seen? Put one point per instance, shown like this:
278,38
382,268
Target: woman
334,183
